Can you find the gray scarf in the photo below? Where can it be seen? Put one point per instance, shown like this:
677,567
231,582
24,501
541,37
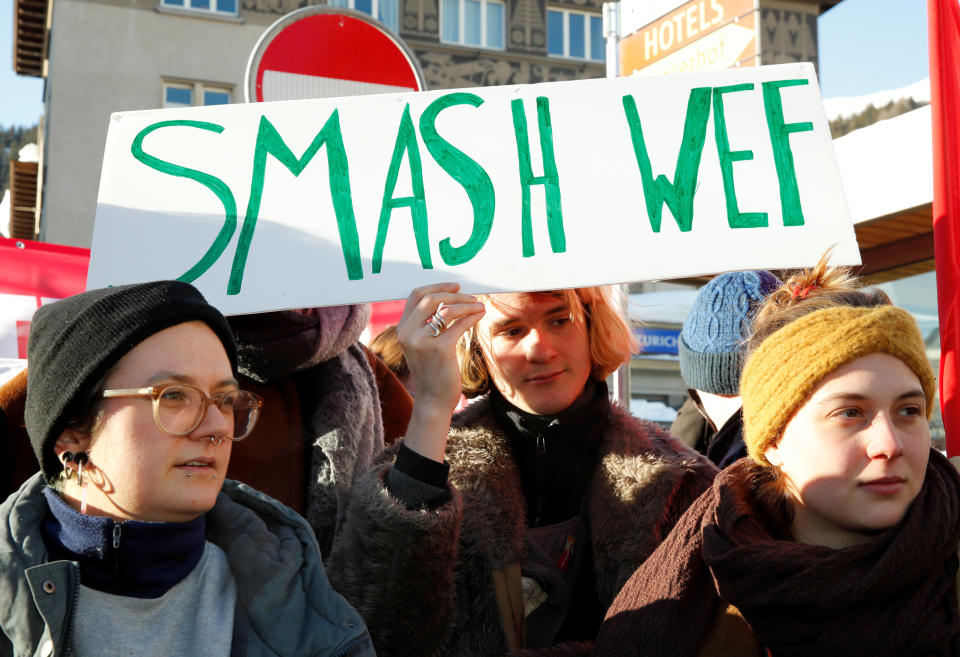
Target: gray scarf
339,401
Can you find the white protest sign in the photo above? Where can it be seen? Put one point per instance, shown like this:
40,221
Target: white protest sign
344,200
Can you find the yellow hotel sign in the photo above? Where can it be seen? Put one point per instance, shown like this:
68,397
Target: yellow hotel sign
700,35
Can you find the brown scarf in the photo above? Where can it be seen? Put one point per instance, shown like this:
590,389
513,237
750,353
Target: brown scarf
894,594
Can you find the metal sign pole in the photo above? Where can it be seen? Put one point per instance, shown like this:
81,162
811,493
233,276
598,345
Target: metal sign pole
620,391
611,33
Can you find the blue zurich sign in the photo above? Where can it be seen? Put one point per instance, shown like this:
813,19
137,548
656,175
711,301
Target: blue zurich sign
657,341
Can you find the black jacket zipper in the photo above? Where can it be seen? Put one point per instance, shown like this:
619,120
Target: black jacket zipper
541,478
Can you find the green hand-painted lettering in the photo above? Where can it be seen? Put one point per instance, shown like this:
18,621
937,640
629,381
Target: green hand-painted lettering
782,155
212,183
270,142
735,218
406,143
465,171
550,178
677,195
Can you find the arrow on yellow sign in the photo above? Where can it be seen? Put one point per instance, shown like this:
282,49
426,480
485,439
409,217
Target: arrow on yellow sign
720,49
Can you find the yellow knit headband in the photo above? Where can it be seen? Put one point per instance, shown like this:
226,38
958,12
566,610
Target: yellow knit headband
780,375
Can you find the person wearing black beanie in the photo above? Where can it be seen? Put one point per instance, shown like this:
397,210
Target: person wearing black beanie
132,409
75,342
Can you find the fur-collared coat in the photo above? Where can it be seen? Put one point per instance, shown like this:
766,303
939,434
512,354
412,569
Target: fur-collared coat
424,579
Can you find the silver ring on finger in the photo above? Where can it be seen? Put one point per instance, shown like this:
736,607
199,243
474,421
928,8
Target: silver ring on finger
436,322
439,318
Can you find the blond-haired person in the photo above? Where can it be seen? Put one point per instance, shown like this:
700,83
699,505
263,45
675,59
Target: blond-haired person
838,534
515,523
386,345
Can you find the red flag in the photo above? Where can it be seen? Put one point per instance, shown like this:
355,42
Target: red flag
944,28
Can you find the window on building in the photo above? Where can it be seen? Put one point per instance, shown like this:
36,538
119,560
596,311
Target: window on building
187,94
213,6
575,34
215,97
384,11
473,22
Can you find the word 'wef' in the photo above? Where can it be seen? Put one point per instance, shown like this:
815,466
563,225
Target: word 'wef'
658,191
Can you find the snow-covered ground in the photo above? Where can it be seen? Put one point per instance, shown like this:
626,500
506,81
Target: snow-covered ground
847,106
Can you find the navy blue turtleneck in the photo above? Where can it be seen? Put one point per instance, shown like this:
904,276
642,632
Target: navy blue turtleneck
131,558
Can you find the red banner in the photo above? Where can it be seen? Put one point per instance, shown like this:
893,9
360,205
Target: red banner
382,315
944,27
39,269
33,273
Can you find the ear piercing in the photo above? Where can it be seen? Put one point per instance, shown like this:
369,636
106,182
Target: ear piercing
80,459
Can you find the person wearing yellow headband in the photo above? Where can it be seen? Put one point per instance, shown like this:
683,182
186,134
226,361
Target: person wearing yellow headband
838,535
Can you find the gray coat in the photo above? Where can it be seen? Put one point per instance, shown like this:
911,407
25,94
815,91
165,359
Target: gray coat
424,579
285,605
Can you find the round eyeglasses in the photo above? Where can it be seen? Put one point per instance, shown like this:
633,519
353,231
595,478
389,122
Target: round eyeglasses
179,408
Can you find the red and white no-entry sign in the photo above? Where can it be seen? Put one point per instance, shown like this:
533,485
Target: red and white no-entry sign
324,52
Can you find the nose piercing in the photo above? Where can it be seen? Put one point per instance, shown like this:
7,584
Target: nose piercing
216,441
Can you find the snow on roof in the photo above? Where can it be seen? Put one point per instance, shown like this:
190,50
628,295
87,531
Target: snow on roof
849,105
887,167
29,153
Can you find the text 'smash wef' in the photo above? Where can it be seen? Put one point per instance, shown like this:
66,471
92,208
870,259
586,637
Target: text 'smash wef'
548,172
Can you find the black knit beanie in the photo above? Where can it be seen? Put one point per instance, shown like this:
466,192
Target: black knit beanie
713,336
76,341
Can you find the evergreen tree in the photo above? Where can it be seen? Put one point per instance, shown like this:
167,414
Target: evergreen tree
870,115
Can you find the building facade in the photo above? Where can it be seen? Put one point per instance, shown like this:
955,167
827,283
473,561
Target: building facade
104,56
